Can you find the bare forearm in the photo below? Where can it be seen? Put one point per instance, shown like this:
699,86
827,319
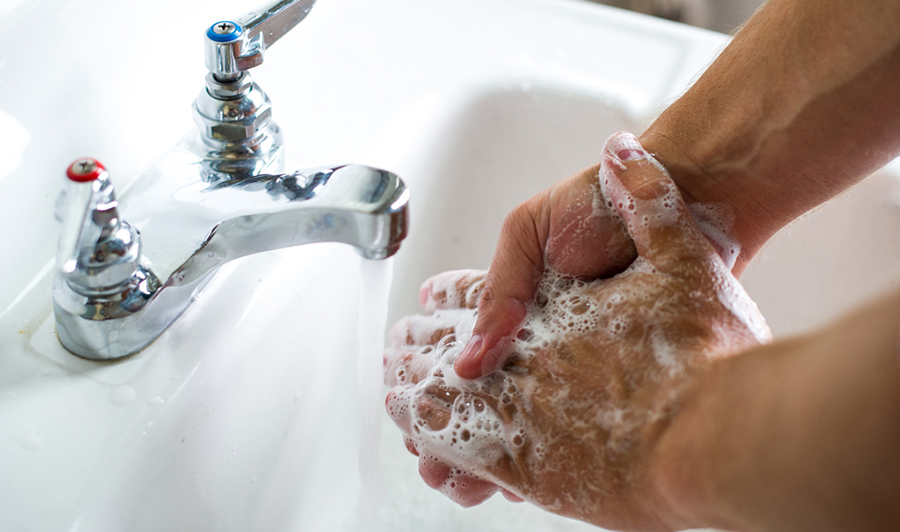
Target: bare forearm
798,435
800,106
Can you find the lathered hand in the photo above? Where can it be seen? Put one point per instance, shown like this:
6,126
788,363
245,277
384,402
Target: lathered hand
596,374
565,228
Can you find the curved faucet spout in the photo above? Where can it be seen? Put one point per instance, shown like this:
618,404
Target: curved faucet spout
357,205
187,235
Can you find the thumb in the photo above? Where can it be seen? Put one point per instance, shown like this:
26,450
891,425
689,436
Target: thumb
511,283
656,216
568,228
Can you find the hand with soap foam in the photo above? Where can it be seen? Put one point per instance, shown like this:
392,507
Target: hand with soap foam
593,376
565,228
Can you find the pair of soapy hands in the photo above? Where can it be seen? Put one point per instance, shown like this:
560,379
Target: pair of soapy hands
553,377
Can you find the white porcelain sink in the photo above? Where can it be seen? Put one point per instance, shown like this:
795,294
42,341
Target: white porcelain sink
245,414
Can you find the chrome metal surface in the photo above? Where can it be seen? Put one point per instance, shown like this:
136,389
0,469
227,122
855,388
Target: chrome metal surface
257,30
233,113
193,227
98,251
220,195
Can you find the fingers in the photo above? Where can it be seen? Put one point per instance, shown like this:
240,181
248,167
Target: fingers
417,343
452,290
511,283
510,496
461,487
410,445
444,426
568,228
655,214
586,238
408,365
421,402
422,409
423,330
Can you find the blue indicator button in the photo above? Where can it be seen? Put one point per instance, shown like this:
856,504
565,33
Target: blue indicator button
224,31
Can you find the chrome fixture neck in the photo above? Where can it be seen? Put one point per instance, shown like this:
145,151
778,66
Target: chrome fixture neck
232,112
232,115
221,194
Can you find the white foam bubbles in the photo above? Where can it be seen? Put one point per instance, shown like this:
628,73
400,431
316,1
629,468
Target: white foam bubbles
445,290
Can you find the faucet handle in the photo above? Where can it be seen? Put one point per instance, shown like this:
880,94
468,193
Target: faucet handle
97,250
75,207
235,46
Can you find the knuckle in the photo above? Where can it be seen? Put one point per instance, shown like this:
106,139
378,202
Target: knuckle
473,295
437,335
400,332
487,297
520,216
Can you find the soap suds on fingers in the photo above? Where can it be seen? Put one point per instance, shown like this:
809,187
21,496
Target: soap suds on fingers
484,423
596,369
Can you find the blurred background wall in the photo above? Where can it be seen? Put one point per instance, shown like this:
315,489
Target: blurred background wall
720,15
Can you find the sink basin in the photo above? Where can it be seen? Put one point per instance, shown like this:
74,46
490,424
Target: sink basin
245,415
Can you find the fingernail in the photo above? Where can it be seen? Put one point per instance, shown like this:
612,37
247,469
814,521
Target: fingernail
471,350
630,155
626,147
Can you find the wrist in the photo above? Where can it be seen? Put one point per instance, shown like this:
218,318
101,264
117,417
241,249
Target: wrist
704,460
711,187
798,434
681,474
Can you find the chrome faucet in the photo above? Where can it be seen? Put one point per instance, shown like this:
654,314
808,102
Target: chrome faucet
221,194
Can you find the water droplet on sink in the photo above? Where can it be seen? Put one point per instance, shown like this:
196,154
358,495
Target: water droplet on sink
121,395
156,401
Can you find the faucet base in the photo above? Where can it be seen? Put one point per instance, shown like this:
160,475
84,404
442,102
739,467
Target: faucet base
104,326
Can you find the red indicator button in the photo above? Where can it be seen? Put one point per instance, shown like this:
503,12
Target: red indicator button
84,170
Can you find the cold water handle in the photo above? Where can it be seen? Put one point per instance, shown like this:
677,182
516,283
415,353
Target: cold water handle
232,112
233,46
